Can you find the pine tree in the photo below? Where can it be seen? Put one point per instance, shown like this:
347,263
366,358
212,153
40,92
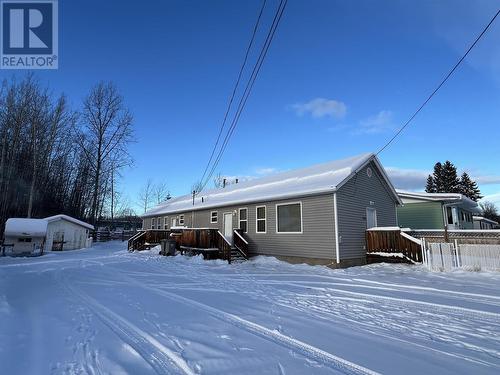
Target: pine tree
438,178
430,187
449,178
469,188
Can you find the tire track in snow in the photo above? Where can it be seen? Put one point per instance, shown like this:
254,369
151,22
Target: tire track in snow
159,357
276,337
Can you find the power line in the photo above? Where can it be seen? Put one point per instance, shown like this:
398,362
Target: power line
255,72
439,86
235,88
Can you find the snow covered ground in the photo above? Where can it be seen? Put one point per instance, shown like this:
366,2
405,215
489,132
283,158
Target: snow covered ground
106,311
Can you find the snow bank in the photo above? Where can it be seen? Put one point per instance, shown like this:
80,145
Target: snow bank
26,227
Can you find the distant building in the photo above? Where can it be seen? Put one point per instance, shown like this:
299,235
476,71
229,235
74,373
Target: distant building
24,236
436,211
484,223
59,232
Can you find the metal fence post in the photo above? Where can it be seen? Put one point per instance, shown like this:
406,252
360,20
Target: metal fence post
456,253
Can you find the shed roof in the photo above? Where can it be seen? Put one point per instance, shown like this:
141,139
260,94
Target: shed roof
481,218
70,219
25,227
317,179
439,197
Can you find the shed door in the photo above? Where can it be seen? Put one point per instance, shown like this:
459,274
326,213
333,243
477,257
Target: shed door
228,227
371,217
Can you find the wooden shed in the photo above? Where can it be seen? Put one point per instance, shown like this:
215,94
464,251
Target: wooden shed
67,233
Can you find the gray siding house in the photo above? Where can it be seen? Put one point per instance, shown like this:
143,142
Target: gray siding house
317,215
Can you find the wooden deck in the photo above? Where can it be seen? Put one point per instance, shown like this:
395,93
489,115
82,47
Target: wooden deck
207,241
393,241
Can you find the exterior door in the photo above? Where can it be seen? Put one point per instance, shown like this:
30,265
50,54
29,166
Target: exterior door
228,227
371,217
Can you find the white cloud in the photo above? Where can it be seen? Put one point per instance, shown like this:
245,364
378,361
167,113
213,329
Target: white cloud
407,179
494,198
378,123
321,107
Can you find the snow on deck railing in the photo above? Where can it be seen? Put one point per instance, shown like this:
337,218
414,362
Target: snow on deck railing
384,228
495,231
417,241
241,237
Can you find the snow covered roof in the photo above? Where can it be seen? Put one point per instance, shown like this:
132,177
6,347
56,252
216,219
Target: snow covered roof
25,227
481,218
70,219
438,197
321,178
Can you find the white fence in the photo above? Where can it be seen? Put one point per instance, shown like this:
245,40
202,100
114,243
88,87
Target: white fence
448,256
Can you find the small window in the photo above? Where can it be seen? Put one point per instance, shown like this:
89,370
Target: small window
159,223
24,239
181,220
261,219
289,218
153,223
244,220
213,217
174,222
450,215
165,222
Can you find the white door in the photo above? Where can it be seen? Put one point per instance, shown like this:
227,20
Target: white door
371,217
228,227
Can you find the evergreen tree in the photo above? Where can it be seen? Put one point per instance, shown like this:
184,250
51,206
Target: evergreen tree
469,188
438,178
449,178
430,187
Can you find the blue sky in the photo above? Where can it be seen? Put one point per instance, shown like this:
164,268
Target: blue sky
339,79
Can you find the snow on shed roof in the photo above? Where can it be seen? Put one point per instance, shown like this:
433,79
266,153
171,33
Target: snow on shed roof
439,197
70,219
481,218
316,179
26,227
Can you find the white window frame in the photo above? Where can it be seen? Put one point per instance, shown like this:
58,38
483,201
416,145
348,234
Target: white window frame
173,222
158,223
372,209
257,219
181,220
165,222
239,218
301,218
212,217
153,223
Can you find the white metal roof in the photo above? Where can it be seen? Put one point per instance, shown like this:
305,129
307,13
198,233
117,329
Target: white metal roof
481,218
70,219
321,178
459,199
25,227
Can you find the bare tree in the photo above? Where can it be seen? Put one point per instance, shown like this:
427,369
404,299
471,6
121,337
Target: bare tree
146,195
490,210
160,192
107,130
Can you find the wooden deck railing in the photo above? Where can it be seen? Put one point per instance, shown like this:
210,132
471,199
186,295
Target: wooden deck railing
146,238
393,240
240,243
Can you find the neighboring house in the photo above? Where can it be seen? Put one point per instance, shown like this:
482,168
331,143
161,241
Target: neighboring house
52,233
317,214
436,210
68,231
484,223
24,236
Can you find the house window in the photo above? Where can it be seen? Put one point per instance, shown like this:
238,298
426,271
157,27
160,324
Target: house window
449,214
261,219
153,223
165,222
371,217
243,220
213,217
24,239
181,220
289,218
159,223
174,222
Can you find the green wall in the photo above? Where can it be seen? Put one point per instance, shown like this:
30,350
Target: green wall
424,215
